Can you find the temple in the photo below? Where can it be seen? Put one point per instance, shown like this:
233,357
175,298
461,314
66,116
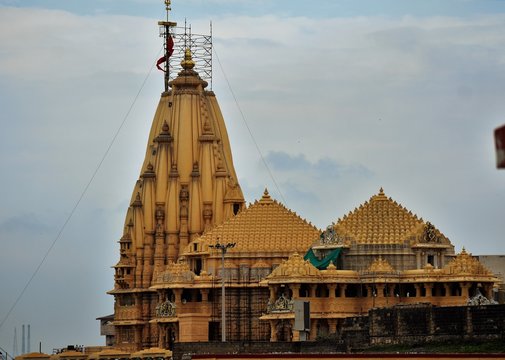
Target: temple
187,204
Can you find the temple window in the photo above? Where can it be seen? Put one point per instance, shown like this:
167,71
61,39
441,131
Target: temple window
126,300
197,265
236,208
430,259
127,335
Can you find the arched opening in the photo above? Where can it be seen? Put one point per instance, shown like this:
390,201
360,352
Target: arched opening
410,290
304,290
323,328
284,331
352,290
322,291
455,289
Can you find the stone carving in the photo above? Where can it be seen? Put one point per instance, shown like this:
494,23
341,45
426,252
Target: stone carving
165,309
330,236
380,265
282,304
430,234
160,220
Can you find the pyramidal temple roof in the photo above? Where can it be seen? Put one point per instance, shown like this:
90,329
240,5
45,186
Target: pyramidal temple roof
265,226
382,220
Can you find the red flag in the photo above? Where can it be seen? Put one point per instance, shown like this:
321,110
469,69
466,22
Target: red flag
169,52
499,137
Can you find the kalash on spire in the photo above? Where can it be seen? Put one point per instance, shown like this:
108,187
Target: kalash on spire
187,185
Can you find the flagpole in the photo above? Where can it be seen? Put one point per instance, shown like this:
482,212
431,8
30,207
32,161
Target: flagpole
165,32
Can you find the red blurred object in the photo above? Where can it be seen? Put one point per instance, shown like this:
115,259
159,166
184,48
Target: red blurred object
169,51
499,139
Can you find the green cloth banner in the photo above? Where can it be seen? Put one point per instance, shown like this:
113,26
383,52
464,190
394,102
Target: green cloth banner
324,262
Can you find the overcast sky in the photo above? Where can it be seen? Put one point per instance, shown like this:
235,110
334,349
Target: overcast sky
342,97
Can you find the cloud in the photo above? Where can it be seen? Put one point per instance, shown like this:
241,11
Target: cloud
27,223
321,168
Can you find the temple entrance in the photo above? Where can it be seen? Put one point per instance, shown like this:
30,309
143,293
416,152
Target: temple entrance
170,336
284,330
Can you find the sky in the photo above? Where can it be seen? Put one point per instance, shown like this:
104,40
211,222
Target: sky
341,97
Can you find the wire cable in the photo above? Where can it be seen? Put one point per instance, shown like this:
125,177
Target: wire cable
85,190
249,129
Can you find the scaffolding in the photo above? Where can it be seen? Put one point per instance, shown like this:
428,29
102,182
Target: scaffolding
201,50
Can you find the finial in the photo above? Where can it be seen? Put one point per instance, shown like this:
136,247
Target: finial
381,191
167,7
266,199
187,63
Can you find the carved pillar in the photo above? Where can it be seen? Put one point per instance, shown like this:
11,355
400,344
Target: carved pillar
342,289
272,293
161,335
177,295
379,290
465,290
331,289
184,214
447,288
205,294
429,288
196,212
312,290
273,330
138,335
295,289
418,289
159,251
172,219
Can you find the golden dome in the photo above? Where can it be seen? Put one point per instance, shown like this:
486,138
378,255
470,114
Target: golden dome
379,220
265,226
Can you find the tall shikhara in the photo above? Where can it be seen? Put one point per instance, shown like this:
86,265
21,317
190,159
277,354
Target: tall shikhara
187,185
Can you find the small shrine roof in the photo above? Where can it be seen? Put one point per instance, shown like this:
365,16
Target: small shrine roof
465,264
295,267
